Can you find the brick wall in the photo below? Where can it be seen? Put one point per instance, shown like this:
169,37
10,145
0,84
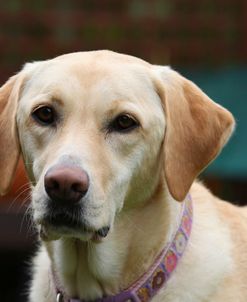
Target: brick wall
178,32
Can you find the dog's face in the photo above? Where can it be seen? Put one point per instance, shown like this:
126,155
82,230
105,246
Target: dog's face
97,130
90,126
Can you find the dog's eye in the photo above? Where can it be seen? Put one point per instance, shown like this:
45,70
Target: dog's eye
124,123
44,115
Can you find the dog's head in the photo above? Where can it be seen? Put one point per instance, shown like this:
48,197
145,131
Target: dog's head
98,132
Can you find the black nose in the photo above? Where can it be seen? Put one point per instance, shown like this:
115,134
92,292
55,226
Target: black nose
66,184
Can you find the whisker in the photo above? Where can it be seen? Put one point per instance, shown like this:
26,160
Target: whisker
16,198
26,184
27,215
31,228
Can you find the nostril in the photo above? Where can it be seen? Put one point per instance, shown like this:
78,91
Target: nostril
52,187
55,185
52,184
77,187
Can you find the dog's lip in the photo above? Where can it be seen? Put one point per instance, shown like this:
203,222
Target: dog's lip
49,231
64,220
46,234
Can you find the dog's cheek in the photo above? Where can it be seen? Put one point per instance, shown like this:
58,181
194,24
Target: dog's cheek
145,174
38,203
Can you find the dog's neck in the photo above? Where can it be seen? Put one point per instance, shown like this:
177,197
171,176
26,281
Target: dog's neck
91,270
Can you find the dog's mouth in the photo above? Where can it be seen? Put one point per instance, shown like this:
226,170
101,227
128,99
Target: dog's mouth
66,224
64,219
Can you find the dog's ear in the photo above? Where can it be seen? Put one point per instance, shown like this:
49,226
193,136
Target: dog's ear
196,130
10,149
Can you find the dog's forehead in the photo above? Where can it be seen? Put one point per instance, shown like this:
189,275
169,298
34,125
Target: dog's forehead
99,75
88,68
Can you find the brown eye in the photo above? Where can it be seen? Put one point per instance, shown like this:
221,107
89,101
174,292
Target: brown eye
44,115
124,123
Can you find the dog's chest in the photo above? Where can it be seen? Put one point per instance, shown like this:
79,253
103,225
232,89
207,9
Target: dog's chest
88,270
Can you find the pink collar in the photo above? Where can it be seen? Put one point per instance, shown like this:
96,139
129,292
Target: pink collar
159,273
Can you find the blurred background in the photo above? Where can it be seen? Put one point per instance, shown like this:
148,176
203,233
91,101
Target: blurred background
205,40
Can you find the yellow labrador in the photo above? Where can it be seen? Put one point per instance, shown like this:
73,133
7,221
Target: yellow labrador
112,146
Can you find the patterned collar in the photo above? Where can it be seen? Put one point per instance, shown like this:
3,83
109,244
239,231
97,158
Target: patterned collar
152,281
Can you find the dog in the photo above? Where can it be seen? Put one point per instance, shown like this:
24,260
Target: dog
112,146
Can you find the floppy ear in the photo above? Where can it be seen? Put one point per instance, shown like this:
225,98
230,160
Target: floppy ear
196,130
10,149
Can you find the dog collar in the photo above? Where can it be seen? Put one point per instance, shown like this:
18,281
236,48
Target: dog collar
159,273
